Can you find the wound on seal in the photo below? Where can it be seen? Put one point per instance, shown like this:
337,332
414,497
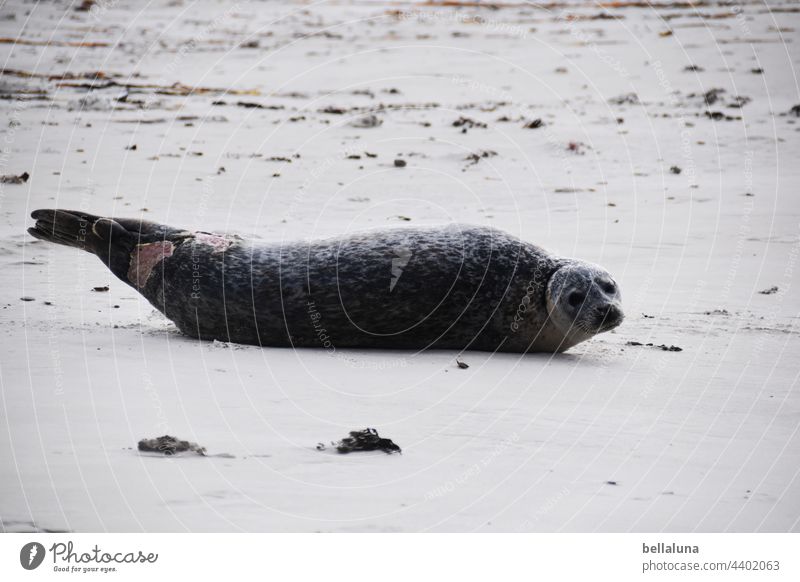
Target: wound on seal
144,258
219,243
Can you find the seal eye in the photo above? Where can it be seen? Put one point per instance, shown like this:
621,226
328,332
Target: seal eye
608,287
576,298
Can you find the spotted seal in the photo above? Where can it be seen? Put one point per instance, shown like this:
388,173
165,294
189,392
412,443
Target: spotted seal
455,287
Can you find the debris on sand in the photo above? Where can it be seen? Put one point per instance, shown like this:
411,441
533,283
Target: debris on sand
331,110
176,89
65,76
626,99
468,123
669,348
97,102
533,124
11,179
598,16
363,440
772,290
367,122
169,445
186,119
662,347
399,163
693,69
795,111
101,289
724,312
476,157
719,116
577,147
462,365
29,42
712,96
740,101
248,105
675,169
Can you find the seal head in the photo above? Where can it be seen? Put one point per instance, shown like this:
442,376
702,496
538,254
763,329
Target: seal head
583,300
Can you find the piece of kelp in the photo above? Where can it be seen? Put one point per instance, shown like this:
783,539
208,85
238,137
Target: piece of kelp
363,440
169,445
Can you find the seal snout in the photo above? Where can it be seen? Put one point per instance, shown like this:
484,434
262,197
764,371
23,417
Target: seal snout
609,317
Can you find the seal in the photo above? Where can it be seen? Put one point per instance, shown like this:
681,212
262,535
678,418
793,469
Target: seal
455,287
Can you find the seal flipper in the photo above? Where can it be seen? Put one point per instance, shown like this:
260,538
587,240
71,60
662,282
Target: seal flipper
107,238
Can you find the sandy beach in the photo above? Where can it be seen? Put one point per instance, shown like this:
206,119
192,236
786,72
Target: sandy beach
659,140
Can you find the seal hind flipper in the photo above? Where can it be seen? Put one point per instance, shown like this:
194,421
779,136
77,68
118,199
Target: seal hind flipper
66,227
77,229
101,236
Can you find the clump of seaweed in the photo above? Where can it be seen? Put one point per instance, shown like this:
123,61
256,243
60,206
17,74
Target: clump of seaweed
169,445
363,440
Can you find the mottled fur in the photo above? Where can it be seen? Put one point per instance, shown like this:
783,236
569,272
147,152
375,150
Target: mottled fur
460,287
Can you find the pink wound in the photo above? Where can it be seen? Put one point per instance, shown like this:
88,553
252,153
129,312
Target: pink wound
219,243
144,258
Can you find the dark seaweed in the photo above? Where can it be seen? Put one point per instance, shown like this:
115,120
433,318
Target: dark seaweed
364,440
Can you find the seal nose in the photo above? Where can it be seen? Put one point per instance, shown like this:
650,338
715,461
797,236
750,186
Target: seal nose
610,317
